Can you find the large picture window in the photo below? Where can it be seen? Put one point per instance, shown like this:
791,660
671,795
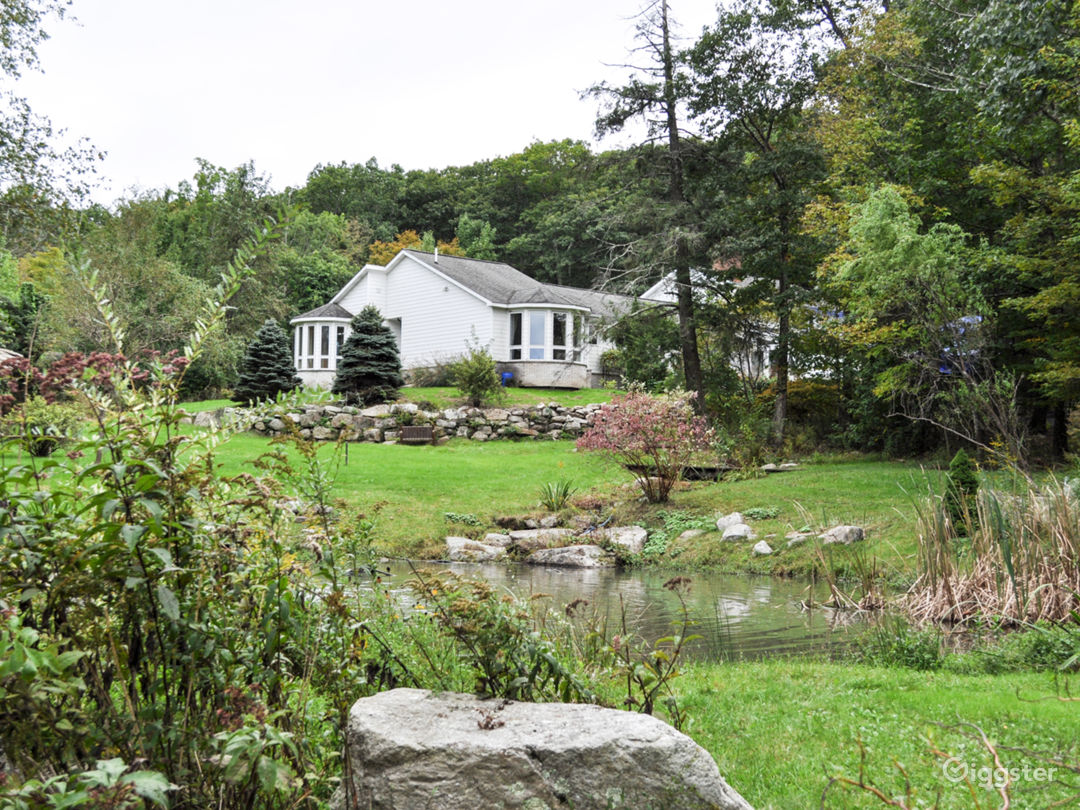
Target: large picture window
543,334
536,334
515,335
558,336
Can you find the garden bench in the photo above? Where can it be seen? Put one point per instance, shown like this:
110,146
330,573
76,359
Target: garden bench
417,434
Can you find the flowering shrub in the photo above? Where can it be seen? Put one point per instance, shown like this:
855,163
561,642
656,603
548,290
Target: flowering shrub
655,436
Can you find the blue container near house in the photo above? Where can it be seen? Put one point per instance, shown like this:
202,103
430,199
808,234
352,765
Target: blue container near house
507,379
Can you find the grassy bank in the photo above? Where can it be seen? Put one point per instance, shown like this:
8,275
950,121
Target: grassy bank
419,485
780,729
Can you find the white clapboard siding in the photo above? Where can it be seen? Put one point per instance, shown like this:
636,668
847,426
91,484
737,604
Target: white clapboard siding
439,320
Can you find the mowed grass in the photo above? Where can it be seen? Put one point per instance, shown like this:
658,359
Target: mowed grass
779,729
420,484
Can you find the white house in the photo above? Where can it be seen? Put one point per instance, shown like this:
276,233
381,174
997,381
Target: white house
438,306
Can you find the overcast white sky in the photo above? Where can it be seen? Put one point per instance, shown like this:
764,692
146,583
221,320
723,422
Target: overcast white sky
422,83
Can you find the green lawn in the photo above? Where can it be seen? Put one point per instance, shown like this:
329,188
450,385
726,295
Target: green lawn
421,484
779,729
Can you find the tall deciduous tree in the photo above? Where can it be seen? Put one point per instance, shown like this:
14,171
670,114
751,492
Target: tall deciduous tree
754,72
370,368
41,179
653,94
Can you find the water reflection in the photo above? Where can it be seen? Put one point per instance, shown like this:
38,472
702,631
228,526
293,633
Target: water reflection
738,617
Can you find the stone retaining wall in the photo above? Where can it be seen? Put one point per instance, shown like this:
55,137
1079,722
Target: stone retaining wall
383,423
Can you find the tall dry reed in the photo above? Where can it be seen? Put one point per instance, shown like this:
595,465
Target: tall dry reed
1020,561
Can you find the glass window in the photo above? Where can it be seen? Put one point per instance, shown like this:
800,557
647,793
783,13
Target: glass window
558,336
515,335
536,335
310,348
340,342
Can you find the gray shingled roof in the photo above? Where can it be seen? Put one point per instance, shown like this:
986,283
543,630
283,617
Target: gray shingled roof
502,284
327,311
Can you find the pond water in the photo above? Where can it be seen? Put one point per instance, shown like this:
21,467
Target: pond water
737,616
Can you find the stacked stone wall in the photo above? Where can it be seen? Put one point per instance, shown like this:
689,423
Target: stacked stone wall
383,423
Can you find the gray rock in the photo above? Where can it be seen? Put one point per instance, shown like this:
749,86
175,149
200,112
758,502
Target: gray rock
769,467
762,549
341,420
404,407
208,419
376,411
372,435
690,534
276,425
797,538
409,748
462,549
549,521
309,418
533,539
843,535
571,557
632,538
496,415
733,519
496,539
391,435
789,465
737,532
323,433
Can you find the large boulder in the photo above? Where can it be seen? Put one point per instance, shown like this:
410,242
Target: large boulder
462,549
632,538
727,521
533,539
409,748
843,535
736,532
571,557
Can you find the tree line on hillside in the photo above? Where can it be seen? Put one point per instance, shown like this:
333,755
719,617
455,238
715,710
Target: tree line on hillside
885,190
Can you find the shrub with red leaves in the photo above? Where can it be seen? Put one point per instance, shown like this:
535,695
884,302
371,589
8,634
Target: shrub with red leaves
655,436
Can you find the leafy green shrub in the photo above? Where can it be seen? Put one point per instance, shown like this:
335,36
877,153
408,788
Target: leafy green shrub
761,512
555,494
675,523
40,426
476,377
895,643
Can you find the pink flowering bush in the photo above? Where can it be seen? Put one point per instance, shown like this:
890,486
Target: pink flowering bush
655,436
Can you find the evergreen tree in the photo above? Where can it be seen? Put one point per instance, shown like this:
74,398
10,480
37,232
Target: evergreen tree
370,369
267,368
961,487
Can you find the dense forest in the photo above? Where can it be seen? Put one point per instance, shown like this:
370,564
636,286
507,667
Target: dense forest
894,184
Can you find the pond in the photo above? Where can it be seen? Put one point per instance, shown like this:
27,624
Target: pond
737,616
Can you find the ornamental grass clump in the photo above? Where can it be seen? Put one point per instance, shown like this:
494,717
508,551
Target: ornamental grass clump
654,436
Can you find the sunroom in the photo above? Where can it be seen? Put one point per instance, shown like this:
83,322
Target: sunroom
546,346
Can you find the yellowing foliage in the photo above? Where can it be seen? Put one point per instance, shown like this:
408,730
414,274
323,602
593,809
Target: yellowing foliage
382,252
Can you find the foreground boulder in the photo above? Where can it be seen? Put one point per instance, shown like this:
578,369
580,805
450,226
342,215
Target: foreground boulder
409,748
